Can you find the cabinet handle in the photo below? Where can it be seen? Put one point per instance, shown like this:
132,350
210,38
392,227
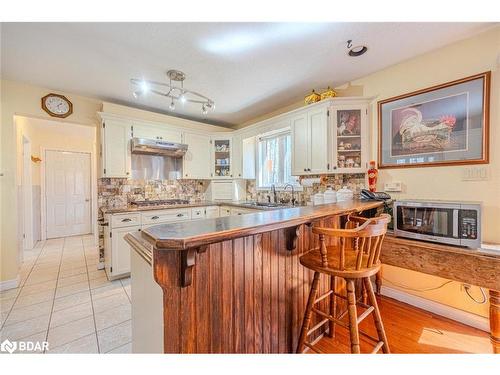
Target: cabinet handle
305,169
180,215
128,173
334,167
126,220
155,217
186,174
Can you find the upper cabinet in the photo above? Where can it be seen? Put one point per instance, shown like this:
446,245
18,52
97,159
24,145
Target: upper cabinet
310,135
350,138
115,155
197,160
157,132
248,156
222,149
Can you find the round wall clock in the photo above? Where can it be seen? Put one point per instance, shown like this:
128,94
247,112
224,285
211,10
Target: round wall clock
57,105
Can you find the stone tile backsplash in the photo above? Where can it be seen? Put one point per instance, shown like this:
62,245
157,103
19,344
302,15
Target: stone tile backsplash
119,192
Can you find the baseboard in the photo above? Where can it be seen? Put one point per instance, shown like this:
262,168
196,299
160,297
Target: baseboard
9,284
449,312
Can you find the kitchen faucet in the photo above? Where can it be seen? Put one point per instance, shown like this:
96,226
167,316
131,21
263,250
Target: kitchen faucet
275,195
293,193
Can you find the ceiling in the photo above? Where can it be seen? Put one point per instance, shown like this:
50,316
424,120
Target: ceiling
248,69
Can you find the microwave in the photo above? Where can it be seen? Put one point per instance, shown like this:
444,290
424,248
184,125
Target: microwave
453,223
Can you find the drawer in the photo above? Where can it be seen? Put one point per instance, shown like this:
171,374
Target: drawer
211,211
225,211
166,216
125,220
197,213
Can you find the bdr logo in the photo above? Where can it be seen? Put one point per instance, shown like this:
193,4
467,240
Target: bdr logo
23,346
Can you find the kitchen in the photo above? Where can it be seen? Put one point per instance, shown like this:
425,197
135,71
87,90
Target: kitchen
191,223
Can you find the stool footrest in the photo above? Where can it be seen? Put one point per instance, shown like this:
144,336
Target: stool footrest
358,301
367,312
368,336
377,347
323,296
317,326
329,317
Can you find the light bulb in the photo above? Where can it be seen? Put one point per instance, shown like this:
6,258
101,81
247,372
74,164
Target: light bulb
172,105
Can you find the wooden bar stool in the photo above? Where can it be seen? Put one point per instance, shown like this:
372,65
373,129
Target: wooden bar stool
354,257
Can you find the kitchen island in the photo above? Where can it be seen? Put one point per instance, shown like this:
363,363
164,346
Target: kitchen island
233,284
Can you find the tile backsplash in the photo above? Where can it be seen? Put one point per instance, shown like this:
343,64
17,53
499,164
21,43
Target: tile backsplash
354,182
118,192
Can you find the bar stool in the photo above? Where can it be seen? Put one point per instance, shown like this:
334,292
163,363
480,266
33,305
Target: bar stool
354,257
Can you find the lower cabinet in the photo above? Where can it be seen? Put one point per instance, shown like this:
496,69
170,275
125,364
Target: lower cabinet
225,211
117,260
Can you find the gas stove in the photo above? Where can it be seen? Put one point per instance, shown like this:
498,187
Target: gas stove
159,202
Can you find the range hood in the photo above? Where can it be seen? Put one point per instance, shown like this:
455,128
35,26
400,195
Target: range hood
156,147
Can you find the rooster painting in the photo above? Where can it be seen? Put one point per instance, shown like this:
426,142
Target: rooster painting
429,135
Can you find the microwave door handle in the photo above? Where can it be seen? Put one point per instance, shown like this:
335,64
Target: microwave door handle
455,223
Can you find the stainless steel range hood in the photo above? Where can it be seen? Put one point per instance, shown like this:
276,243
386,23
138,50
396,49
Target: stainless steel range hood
160,148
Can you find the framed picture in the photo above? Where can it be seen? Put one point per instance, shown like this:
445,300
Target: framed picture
446,124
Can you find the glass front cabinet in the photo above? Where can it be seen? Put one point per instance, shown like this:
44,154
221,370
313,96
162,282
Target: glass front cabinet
350,138
221,158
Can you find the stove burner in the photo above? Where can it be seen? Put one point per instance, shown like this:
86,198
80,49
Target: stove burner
160,202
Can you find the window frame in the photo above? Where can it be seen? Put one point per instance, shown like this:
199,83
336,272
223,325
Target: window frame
266,136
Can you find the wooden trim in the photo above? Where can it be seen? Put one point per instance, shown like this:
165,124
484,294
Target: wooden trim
44,107
485,159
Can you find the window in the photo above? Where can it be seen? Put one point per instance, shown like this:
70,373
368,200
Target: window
275,160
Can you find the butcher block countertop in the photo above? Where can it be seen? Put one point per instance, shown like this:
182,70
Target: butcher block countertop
189,234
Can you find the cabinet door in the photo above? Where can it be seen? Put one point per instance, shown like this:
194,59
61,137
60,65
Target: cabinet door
300,145
318,144
225,211
350,141
116,149
248,158
120,250
222,160
156,132
236,157
197,159
211,212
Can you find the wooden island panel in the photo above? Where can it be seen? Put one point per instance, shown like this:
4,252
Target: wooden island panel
247,295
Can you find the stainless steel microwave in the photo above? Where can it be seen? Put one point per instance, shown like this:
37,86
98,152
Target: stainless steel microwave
453,223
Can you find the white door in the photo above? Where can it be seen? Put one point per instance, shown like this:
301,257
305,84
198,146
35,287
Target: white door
116,149
300,145
156,132
67,192
318,144
197,159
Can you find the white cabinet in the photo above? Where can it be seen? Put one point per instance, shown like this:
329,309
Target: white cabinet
350,138
212,212
236,157
116,137
117,256
248,146
225,211
310,130
236,211
156,132
300,144
197,160
222,149
197,213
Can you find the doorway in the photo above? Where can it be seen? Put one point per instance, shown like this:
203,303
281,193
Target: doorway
67,193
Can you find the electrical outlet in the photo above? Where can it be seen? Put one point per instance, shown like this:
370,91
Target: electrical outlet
475,174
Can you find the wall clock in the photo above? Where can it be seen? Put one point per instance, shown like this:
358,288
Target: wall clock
57,105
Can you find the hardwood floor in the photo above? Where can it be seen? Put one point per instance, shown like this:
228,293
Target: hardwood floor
412,330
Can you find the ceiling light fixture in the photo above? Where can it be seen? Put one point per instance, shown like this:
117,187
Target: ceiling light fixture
173,91
356,50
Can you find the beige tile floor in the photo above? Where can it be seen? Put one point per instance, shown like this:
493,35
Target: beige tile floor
65,300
